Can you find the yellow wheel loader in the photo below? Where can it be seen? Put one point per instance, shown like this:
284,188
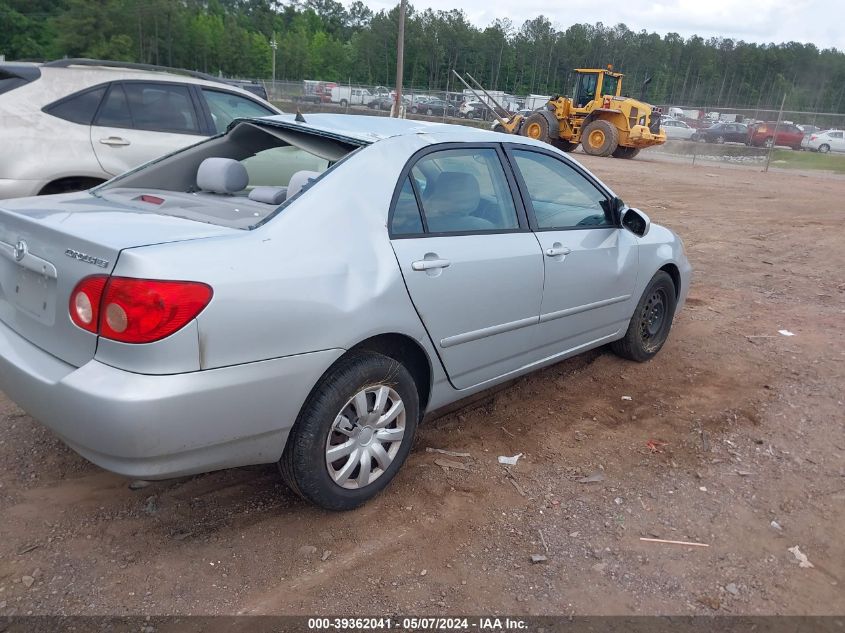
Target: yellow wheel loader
598,118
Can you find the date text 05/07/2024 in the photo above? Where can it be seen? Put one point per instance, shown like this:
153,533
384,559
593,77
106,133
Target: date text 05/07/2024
418,624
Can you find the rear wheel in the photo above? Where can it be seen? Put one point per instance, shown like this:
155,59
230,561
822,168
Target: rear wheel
600,138
535,126
770,142
353,433
344,103
626,152
824,149
429,112
720,140
652,320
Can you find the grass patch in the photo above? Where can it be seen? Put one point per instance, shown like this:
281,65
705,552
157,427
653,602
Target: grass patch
808,160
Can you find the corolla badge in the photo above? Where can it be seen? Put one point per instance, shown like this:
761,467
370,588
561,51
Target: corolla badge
88,259
21,249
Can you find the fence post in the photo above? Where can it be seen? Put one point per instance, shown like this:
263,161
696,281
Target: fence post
775,135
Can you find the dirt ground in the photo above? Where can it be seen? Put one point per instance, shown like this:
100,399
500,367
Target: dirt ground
733,436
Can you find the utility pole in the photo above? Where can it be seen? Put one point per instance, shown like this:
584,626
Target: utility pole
274,45
775,135
397,110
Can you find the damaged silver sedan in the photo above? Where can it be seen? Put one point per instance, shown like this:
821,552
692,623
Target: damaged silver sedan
302,292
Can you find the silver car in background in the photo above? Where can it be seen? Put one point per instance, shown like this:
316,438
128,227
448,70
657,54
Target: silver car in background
302,292
676,129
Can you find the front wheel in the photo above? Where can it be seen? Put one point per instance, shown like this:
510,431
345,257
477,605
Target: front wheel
353,433
652,320
429,112
769,143
626,152
600,138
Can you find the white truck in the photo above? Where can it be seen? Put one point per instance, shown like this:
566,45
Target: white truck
348,95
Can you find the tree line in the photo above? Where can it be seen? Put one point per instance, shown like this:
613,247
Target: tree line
323,39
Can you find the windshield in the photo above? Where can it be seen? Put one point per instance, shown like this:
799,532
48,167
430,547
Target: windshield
609,85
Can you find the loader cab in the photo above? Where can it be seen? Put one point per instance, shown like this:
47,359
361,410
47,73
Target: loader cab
594,83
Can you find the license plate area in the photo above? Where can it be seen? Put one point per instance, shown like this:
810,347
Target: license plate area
34,294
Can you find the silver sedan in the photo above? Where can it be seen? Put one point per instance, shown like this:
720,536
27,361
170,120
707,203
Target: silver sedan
304,291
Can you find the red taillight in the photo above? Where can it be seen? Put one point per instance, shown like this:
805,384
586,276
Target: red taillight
140,310
813,137
85,302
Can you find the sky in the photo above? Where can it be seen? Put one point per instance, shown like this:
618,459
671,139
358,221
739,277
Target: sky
821,22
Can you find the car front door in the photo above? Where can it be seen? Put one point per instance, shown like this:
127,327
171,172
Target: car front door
837,141
473,269
590,261
139,121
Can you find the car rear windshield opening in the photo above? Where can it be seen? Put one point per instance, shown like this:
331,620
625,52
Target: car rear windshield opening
276,162
16,75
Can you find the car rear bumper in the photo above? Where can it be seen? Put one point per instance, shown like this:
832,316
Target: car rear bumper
154,427
13,188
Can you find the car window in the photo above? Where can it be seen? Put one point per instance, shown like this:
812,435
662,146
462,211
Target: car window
465,190
225,107
78,108
561,197
161,107
836,134
115,110
406,214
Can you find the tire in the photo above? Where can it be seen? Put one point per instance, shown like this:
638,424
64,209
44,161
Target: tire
535,126
769,142
344,103
320,426
600,138
626,152
720,140
429,112
824,149
414,110
695,138
645,337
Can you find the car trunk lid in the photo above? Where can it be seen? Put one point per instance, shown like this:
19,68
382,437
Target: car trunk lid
47,245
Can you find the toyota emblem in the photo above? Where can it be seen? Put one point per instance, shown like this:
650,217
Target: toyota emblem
20,250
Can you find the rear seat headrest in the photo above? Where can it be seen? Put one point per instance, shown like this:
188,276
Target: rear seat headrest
268,195
222,175
299,180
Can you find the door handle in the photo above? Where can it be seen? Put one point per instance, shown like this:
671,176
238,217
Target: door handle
557,250
114,141
430,264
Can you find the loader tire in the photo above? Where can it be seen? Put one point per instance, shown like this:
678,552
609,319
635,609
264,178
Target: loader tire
626,152
564,146
536,126
600,138
498,127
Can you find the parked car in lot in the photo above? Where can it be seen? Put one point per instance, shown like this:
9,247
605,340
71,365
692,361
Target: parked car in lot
302,292
722,133
677,129
824,142
76,123
433,107
385,102
763,135
346,96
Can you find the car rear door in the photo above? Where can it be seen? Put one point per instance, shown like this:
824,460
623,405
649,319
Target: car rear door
591,263
472,267
140,120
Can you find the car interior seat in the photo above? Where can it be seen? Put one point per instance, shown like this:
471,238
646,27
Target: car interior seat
222,175
452,199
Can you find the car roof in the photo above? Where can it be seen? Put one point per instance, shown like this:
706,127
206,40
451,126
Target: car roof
370,129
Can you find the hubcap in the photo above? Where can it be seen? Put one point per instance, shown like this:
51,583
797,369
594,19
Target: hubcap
534,130
596,138
653,316
365,437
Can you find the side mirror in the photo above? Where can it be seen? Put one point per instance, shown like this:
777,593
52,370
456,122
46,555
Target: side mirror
636,221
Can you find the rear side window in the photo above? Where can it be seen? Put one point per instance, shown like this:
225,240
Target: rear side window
406,215
161,107
78,108
149,106
16,75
